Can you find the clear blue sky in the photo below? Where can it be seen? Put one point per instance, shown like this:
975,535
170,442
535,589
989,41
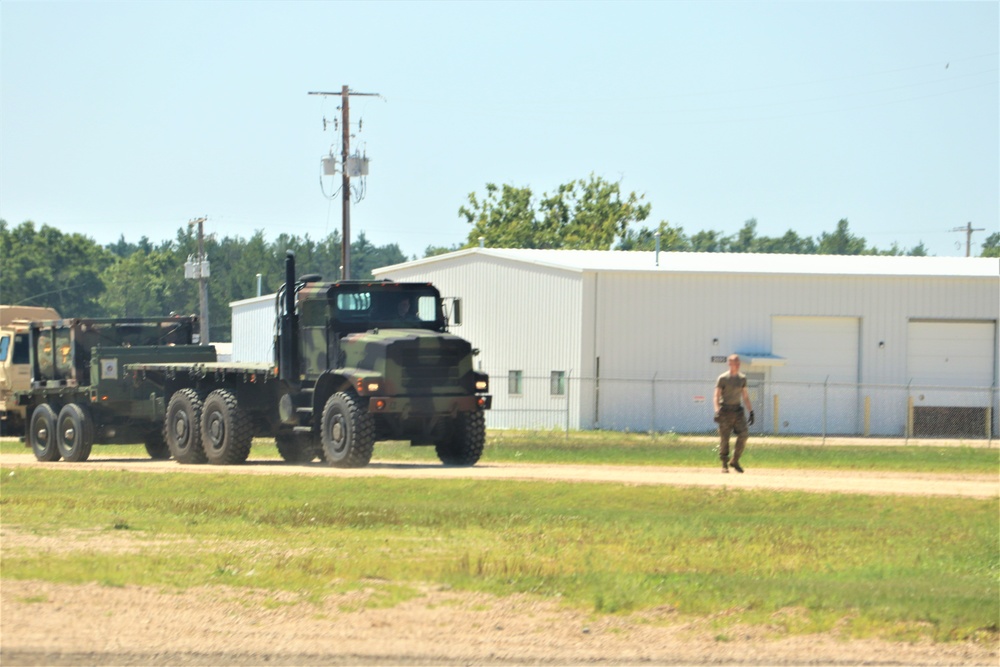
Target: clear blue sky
131,118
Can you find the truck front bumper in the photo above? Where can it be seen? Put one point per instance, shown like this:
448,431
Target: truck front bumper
428,405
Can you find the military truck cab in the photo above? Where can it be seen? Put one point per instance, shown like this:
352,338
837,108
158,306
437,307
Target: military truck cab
374,361
15,360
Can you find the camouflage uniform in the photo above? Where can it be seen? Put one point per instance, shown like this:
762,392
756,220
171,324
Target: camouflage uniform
731,417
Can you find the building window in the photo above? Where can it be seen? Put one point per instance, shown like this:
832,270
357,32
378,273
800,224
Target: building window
514,383
557,383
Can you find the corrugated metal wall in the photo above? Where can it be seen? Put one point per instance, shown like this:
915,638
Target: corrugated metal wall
642,329
253,329
667,324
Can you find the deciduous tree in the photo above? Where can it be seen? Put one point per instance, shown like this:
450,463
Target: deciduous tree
45,267
991,246
588,214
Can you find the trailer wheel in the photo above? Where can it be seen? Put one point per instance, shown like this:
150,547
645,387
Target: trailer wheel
348,433
42,433
74,433
182,428
297,447
226,430
156,446
464,444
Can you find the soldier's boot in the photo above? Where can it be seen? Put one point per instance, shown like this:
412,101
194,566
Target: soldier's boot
736,466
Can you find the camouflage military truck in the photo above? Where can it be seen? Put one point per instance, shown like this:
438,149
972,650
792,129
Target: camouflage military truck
355,363
14,368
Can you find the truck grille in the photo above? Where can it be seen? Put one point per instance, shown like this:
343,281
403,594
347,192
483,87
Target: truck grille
427,369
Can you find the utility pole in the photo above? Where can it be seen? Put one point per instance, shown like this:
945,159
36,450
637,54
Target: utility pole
968,236
199,269
345,151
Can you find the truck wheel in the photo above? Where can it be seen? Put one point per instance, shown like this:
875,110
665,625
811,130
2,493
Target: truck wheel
156,446
464,445
348,433
226,430
42,433
297,447
182,428
74,433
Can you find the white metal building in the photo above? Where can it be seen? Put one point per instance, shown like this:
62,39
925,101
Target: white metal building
253,329
635,340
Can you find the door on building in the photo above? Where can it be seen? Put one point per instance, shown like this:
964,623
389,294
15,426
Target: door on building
817,387
951,367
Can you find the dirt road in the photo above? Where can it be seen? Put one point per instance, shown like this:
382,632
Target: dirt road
42,623
818,481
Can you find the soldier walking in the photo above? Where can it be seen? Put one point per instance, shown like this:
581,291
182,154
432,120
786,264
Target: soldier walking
730,395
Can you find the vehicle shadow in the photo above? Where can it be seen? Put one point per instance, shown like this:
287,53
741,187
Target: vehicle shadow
279,463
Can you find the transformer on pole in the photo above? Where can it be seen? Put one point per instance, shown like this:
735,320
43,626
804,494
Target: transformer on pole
197,268
352,166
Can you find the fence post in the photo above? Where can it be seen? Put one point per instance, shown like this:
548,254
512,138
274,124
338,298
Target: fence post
825,383
868,416
569,381
652,409
994,394
909,412
777,421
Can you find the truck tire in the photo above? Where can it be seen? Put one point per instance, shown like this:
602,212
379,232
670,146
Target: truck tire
297,447
74,433
464,445
42,433
182,427
348,433
226,430
156,446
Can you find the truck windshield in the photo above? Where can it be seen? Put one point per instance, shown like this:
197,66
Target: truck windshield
19,352
388,308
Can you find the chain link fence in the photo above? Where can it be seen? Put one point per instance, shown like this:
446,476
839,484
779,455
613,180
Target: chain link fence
662,405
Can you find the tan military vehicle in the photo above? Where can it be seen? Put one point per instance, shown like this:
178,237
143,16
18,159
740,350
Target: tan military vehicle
15,372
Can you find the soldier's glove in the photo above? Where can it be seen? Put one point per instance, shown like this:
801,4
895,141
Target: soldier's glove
716,418
750,419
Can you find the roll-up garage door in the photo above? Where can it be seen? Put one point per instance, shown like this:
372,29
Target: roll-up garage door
951,363
817,387
951,366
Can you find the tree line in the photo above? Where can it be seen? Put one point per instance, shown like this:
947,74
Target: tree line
80,278
42,266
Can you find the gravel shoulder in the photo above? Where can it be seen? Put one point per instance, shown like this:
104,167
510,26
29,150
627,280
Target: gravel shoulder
43,623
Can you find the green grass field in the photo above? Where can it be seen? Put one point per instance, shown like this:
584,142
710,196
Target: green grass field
612,448
895,567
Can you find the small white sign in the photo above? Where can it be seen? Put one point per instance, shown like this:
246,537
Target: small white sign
109,369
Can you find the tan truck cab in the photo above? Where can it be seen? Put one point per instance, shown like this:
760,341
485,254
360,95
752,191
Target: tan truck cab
15,370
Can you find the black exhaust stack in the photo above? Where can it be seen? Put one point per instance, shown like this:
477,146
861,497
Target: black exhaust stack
288,359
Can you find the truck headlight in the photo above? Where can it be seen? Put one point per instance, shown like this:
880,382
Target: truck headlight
368,385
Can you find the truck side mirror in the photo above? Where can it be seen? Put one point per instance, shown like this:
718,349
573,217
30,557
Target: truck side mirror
456,311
